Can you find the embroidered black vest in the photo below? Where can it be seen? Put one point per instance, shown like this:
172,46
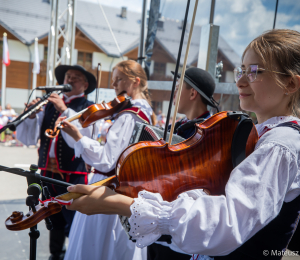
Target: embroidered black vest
271,241
65,156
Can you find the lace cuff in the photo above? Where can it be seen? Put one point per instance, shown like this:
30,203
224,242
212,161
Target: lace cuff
149,219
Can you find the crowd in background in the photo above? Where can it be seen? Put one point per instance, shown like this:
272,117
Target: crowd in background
7,115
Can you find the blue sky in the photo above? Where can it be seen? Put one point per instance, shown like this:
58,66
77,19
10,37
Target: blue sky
240,21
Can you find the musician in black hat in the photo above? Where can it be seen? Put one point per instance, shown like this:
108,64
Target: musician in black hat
57,156
197,93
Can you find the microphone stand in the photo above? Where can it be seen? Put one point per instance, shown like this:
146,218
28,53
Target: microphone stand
35,175
34,190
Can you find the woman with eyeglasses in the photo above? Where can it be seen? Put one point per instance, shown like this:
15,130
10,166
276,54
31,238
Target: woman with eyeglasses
260,211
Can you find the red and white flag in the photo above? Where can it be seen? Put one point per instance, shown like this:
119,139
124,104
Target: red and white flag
6,59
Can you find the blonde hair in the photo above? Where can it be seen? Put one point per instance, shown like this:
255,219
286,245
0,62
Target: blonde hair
132,70
279,51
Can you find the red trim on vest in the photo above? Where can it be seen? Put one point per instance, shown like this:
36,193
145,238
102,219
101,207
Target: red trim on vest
138,112
63,171
68,177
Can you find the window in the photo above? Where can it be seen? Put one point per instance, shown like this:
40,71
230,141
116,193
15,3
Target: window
159,68
85,59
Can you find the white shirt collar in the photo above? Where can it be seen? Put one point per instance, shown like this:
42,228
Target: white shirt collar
68,99
273,122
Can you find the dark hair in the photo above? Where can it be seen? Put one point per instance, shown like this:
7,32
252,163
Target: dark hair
204,101
279,51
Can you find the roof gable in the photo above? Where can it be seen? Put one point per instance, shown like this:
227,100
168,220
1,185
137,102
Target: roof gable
28,19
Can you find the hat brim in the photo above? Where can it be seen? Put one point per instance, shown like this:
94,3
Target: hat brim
61,70
194,86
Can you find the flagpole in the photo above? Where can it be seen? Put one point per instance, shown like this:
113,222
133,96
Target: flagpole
36,67
3,85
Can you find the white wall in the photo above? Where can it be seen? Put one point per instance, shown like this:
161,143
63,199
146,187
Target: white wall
170,67
105,61
19,51
16,97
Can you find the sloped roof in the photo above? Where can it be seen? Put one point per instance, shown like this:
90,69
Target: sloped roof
28,19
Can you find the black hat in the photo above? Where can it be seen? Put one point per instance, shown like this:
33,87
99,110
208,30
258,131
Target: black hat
201,81
61,70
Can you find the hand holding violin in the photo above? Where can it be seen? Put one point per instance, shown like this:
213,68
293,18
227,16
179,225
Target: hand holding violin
69,128
100,200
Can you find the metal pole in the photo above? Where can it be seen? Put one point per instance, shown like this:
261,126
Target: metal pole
55,44
3,83
29,69
212,11
73,30
142,35
275,14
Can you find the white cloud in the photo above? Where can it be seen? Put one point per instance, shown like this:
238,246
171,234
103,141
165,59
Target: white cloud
240,21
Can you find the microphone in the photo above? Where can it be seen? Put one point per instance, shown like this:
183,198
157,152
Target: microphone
63,88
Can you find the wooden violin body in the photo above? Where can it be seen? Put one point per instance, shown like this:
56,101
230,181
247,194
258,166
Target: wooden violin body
95,112
203,161
18,221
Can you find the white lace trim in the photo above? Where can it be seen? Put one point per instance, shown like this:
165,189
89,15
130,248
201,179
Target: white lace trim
154,224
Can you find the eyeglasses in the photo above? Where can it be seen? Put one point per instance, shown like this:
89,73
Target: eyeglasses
251,73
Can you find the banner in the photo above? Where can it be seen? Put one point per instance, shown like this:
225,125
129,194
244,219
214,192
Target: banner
36,64
6,59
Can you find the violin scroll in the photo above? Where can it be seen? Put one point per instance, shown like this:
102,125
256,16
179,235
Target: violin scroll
52,133
18,221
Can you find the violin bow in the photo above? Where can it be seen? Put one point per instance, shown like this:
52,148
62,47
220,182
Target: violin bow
176,68
183,72
99,70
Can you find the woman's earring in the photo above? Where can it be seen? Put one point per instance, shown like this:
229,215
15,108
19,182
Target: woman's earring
286,93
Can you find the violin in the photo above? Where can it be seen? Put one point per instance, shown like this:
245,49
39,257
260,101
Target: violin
90,115
18,221
204,161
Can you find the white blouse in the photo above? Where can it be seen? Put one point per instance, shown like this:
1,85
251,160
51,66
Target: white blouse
104,158
28,132
217,225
